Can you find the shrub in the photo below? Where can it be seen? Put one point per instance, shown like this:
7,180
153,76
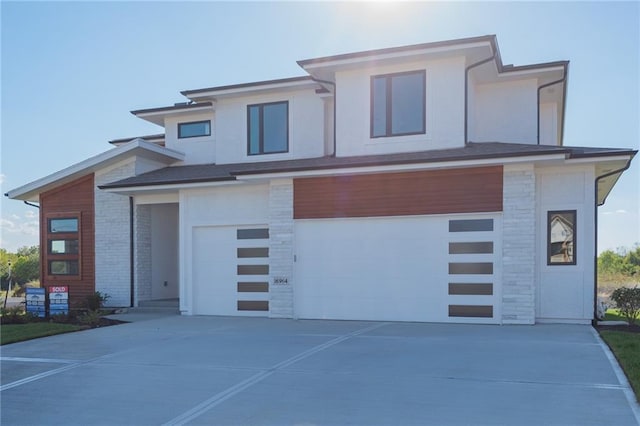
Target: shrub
91,318
96,301
628,303
16,315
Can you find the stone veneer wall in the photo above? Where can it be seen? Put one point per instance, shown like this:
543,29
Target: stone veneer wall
519,244
142,253
281,234
112,238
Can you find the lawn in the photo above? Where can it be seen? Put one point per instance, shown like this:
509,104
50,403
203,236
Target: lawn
613,315
11,333
626,347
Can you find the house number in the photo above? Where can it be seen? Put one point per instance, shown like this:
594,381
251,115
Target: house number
280,280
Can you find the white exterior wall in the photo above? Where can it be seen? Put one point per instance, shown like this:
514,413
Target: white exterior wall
505,112
112,236
198,150
281,237
444,109
230,205
518,244
306,127
549,124
566,292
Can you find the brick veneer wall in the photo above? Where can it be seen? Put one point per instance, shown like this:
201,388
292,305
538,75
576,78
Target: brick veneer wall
112,231
142,253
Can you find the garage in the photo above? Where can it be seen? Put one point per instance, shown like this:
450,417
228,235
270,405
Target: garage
231,270
438,268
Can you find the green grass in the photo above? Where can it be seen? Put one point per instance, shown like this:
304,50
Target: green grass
626,347
613,315
12,333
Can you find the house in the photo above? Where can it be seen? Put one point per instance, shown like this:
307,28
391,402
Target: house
419,183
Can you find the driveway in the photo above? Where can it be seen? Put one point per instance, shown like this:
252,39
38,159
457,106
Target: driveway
254,371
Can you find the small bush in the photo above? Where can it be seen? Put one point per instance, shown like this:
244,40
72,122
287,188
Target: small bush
628,303
96,301
91,318
16,315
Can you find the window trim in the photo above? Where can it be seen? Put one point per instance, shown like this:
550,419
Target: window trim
52,257
574,260
388,95
50,261
65,217
261,128
50,245
193,122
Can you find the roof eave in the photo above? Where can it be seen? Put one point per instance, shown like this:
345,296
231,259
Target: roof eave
32,190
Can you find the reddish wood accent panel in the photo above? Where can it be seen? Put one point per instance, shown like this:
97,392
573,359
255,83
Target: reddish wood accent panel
72,199
468,190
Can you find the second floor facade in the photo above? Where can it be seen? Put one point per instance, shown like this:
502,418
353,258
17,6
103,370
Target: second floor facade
408,99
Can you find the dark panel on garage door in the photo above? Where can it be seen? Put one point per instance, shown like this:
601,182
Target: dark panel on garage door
398,194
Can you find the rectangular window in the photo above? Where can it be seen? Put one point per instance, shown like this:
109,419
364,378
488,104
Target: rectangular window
63,246
194,129
268,128
63,225
63,252
63,267
561,237
398,104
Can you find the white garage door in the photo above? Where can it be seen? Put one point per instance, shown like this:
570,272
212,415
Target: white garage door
230,270
401,269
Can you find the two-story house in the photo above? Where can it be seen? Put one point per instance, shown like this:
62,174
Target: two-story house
419,183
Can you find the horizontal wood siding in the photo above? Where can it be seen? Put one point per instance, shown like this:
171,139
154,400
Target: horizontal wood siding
74,199
468,190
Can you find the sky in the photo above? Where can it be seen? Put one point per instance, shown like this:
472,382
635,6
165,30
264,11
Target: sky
72,71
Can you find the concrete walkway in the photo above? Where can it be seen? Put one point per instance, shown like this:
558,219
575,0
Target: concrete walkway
252,371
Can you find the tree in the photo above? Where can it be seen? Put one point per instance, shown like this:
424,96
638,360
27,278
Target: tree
25,265
27,268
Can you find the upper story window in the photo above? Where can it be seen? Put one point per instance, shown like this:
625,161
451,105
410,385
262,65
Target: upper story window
194,129
398,104
268,128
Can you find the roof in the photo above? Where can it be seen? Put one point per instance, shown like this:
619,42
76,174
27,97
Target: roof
159,137
278,82
137,147
391,50
473,151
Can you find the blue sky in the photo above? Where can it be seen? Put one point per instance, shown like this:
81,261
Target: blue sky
72,71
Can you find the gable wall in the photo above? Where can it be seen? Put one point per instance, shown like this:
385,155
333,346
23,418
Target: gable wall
197,150
306,127
444,109
73,199
505,112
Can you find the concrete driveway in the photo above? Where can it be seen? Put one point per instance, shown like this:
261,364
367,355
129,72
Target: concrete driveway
246,371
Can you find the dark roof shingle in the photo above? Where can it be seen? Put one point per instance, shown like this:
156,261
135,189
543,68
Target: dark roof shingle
473,151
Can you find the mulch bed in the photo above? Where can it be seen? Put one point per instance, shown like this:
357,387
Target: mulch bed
624,327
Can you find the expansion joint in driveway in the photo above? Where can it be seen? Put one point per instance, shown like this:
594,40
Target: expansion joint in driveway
220,397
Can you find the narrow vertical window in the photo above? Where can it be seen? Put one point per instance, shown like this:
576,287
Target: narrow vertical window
63,246
268,128
398,104
561,237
